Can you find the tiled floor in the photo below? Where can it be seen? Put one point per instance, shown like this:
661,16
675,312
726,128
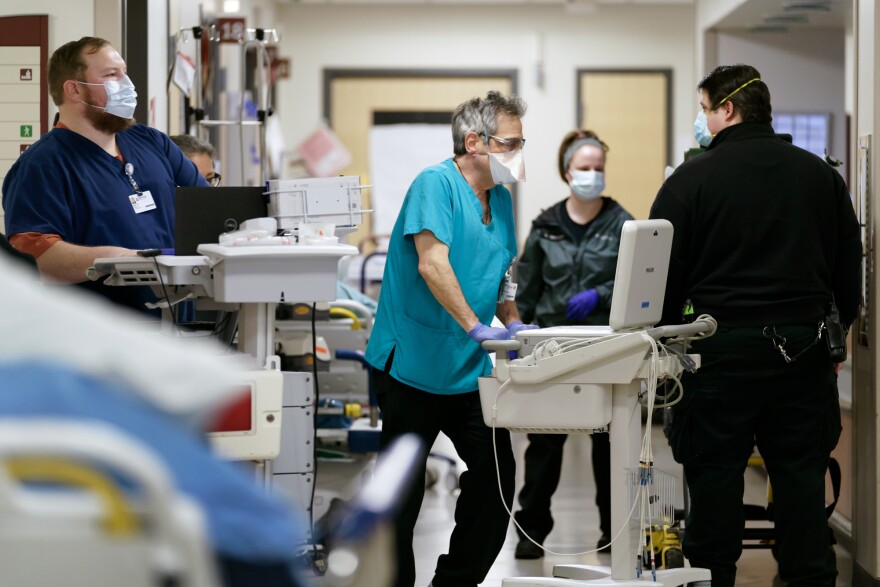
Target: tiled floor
577,522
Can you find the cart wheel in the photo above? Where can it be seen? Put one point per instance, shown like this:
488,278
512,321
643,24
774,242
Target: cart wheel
673,558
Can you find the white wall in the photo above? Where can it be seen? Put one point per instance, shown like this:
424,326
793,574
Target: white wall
711,12
108,21
707,14
805,72
866,440
466,36
71,19
68,21
157,39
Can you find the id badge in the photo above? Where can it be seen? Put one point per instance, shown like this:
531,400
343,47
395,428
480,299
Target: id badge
507,289
142,202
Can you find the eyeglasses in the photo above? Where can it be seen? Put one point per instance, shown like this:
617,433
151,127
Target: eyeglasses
214,179
512,144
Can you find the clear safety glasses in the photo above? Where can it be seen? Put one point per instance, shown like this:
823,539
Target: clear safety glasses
509,145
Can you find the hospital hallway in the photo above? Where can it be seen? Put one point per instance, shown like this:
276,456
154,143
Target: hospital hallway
577,520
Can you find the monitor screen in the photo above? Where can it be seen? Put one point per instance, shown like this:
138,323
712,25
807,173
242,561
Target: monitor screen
203,214
640,280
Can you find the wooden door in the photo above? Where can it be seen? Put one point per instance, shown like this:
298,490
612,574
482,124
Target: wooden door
631,111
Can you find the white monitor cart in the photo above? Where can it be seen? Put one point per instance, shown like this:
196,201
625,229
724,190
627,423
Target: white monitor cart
253,279
578,391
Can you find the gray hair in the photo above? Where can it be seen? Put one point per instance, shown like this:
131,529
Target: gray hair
480,115
190,145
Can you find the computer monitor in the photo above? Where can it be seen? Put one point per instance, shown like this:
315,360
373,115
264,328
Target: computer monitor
202,214
640,280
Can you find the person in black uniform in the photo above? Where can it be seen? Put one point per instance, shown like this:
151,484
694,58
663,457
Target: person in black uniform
566,276
765,239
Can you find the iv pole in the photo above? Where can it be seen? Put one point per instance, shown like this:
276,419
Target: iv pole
259,39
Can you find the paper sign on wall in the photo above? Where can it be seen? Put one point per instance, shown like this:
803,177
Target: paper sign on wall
184,73
323,154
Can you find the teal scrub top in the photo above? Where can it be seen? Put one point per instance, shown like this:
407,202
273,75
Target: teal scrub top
431,351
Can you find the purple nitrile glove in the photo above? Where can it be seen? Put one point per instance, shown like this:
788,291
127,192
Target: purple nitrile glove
512,329
481,332
581,304
517,326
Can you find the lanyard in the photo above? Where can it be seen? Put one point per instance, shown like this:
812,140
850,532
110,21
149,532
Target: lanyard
129,170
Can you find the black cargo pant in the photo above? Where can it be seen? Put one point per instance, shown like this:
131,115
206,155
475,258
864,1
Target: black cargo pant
745,394
480,518
543,460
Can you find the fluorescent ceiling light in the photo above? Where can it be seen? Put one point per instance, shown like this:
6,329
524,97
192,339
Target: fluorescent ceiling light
768,29
787,19
807,7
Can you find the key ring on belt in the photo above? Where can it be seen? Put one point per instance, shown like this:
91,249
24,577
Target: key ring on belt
778,341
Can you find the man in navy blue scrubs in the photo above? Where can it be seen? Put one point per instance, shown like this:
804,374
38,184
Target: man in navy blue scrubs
98,185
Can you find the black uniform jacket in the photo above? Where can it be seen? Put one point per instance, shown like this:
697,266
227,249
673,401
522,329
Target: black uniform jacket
765,232
555,265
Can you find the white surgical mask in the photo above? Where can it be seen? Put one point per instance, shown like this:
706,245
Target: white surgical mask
587,185
507,167
701,130
121,97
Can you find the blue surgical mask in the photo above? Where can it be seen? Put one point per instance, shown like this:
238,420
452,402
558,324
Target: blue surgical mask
701,130
587,185
121,97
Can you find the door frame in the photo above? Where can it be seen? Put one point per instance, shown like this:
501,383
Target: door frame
331,74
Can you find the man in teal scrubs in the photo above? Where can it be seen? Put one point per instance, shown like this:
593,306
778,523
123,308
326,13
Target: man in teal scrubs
450,249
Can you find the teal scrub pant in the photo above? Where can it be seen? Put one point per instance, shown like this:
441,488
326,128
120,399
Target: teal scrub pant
746,395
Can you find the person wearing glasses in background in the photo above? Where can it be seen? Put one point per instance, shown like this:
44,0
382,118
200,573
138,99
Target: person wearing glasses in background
566,276
451,247
98,184
201,154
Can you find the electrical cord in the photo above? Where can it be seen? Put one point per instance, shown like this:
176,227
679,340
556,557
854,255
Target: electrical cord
221,324
314,435
218,328
508,508
677,388
556,346
166,298
645,472
646,462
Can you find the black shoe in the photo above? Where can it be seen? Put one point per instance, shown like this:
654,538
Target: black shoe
527,550
604,540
